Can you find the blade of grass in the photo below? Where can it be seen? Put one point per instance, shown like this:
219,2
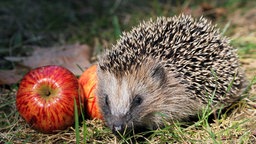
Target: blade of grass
116,26
83,118
76,123
82,70
227,25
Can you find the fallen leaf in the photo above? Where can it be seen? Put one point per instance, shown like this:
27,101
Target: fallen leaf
10,76
244,23
206,9
72,57
211,11
220,12
254,132
206,6
249,65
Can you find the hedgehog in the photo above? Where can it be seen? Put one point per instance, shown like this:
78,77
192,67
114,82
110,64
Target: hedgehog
167,70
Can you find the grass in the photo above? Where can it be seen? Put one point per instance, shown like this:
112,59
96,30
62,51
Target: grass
247,49
77,133
99,24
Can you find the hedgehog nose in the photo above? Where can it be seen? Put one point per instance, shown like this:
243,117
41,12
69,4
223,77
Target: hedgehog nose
118,127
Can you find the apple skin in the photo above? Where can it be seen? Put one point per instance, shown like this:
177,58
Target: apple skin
87,86
45,98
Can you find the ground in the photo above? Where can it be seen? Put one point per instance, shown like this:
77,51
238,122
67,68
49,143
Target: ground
97,24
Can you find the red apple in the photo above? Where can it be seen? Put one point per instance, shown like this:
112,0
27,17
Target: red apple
45,98
87,84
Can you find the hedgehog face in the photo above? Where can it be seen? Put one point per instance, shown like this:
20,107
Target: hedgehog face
131,99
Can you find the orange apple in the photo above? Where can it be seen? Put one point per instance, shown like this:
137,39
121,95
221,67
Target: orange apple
45,98
87,84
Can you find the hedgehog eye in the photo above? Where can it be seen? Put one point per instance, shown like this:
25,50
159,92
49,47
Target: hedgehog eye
137,100
106,99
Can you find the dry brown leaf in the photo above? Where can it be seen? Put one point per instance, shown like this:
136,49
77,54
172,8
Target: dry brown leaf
254,132
10,76
220,11
244,22
206,9
69,56
211,11
206,6
249,64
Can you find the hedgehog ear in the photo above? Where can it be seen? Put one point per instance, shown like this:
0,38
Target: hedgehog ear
158,74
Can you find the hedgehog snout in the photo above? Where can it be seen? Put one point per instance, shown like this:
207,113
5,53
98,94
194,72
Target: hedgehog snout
118,125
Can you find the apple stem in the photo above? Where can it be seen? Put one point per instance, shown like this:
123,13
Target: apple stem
48,93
